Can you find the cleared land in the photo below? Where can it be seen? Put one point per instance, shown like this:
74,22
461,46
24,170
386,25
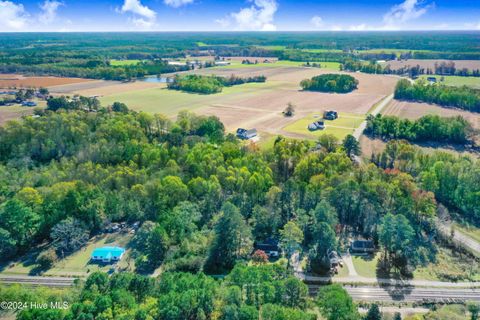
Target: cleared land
126,62
16,112
456,81
253,105
15,80
415,110
459,64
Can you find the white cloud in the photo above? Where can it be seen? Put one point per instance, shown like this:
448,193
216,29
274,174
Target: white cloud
258,17
405,11
336,28
147,16
360,27
49,11
12,16
177,3
317,21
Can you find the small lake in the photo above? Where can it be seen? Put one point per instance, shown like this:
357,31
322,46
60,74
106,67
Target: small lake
156,79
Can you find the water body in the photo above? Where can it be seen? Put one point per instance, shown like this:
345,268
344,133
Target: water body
156,79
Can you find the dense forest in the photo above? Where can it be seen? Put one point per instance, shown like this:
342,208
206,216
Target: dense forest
209,84
338,83
427,128
460,97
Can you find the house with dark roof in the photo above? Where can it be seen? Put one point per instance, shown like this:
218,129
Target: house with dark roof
330,115
245,134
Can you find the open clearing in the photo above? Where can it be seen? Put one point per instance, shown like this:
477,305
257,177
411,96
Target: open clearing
415,110
459,64
16,112
456,81
344,125
15,80
253,105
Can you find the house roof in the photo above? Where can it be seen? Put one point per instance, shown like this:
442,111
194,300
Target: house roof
108,252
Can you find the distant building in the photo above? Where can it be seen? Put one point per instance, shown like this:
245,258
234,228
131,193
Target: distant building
330,115
245,134
107,254
317,125
222,63
29,104
432,79
269,246
362,246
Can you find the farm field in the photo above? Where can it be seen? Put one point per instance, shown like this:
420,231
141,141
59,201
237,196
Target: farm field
15,80
8,113
456,81
254,105
344,125
415,110
127,62
430,63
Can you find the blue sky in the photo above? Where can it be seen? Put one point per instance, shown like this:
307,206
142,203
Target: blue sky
238,15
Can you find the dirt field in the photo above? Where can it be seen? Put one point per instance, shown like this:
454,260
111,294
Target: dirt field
103,88
13,112
459,64
254,105
415,110
15,80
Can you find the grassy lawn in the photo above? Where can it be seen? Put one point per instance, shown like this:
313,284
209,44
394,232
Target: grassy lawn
170,102
471,231
456,81
366,266
321,50
77,264
344,125
116,63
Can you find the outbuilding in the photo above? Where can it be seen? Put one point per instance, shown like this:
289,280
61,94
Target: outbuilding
107,254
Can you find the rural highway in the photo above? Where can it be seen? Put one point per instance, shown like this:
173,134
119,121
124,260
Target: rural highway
359,131
37,281
408,294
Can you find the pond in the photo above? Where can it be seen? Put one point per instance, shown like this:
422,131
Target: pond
156,79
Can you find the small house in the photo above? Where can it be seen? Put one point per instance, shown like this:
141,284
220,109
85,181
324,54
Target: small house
107,254
362,246
432,79
245,134
222,63
330,115
269,246
317,125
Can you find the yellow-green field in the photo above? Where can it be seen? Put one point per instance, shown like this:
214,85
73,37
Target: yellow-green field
456,81
118,63
344,125
279,63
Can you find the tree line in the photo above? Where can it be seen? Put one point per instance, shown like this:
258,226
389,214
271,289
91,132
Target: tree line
338,83
427,128
209,84
460,97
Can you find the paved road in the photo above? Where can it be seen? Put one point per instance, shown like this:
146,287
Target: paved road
445,227
359,131
394,294
37,281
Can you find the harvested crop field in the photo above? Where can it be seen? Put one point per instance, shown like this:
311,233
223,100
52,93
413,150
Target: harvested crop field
15,80
255,105
459,64
82,87
415,110
13,113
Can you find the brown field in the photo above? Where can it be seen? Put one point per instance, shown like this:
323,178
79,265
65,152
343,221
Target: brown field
415,110
15,80
103,87
459,64
13,113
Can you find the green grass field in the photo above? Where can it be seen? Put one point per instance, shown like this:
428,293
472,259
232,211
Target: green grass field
170,102
456,81
344,125
118,63
471,231
366,266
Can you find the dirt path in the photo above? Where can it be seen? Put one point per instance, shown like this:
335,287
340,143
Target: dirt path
471,244
359,131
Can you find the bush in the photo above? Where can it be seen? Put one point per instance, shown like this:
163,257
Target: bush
46,259
339,83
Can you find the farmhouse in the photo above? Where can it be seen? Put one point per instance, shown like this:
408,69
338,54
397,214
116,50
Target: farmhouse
432,80
245,134
222,63
317,125
29,104
362,246
330,115
107,254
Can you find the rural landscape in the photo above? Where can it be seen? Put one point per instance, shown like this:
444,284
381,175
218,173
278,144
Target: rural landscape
240,175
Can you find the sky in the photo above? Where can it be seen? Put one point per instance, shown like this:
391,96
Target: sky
237,15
